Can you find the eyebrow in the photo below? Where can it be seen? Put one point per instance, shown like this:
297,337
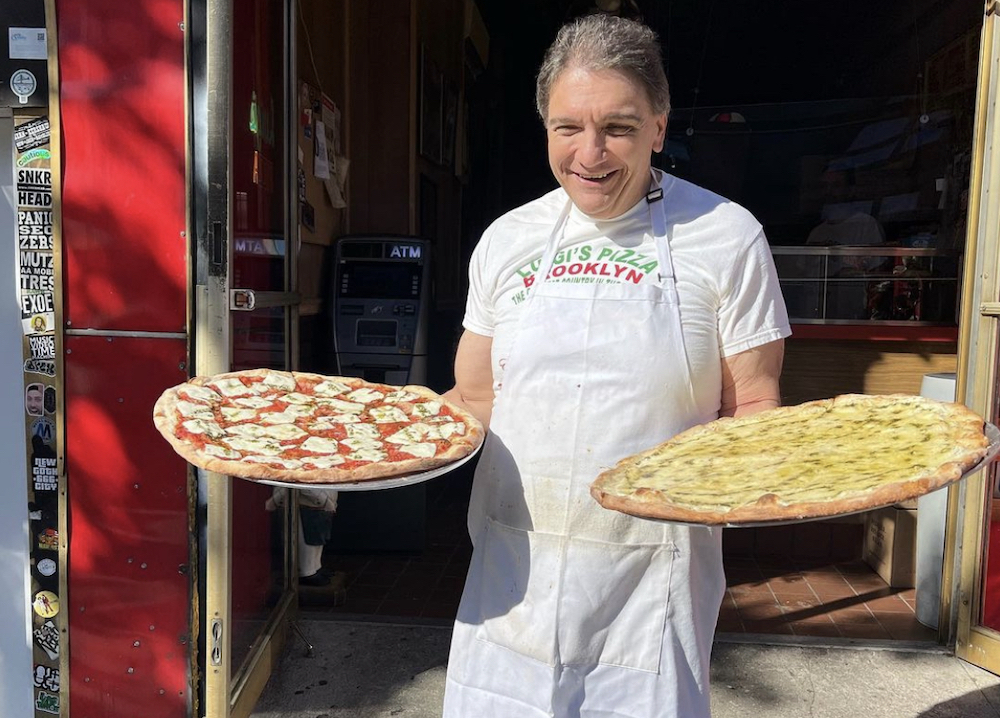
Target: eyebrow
616,116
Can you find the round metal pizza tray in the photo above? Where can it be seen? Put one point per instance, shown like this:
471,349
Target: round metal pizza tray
992,450
393,482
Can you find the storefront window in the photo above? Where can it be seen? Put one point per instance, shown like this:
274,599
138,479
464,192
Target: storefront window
875,172
857,143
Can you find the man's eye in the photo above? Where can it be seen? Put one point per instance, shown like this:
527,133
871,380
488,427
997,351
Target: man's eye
619,130
566,129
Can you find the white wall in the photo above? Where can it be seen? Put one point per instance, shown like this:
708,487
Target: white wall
16,686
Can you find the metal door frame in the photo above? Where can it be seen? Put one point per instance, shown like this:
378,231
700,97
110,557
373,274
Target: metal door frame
230,690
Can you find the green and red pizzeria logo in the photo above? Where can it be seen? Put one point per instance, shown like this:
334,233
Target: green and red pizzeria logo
587,264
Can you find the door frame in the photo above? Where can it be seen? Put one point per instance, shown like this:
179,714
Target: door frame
967,519
228,690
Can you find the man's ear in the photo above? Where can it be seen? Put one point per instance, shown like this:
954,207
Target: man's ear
661,132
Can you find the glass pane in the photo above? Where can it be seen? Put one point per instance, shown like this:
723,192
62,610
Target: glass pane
989,607
259,338
803,299
258,564
259,201
800,266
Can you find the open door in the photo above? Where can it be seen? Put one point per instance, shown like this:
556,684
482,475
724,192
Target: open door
974,520
245,314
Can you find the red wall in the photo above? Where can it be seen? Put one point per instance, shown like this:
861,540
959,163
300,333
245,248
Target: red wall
123,207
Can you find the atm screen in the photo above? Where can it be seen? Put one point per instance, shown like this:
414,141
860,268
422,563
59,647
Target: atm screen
380,280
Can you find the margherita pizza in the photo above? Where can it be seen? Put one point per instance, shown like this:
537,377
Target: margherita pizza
308,428
822,458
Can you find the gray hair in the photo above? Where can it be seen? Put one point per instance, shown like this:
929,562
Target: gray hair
605,42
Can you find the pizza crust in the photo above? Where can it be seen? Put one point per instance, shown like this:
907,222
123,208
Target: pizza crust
965,446
167,421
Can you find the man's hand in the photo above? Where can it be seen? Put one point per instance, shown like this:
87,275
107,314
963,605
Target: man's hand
473,388
750,380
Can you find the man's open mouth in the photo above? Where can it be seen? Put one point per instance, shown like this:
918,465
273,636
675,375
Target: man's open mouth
597,177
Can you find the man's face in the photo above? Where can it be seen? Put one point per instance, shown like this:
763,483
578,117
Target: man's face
601,133
33,401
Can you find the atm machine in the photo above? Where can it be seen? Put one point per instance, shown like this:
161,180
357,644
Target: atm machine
381,299
380,294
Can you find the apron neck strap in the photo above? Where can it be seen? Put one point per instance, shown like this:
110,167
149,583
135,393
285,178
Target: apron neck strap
658,220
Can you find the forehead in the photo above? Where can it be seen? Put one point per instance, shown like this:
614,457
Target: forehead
596,92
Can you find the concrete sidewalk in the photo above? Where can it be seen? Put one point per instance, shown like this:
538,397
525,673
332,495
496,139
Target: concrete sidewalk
370,670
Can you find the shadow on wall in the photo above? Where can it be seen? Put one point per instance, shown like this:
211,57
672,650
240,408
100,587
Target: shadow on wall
122,105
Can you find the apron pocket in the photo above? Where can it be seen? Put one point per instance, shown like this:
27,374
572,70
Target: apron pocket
613,604
516,576
572,601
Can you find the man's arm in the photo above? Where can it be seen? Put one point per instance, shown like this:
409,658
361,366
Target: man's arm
750,380
474,376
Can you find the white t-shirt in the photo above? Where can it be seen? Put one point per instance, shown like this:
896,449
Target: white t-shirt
726,282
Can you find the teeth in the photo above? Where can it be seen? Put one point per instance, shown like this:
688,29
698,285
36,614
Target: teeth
595,177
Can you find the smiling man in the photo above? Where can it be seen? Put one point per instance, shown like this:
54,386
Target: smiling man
602,319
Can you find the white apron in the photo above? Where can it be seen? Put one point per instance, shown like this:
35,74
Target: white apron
569,609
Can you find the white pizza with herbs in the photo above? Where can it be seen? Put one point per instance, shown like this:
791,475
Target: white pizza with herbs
822,458
299,427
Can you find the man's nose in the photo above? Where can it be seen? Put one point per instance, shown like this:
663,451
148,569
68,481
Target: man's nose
591,149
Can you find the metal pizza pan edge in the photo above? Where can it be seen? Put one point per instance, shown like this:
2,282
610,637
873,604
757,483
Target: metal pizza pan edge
392,482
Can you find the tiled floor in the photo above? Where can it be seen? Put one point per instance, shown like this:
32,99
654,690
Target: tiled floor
814,598
787,595
425,585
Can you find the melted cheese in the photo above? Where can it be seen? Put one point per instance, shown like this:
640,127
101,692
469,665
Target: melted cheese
263,446
253,402
421,450
330,388
230,387
233,414
413,434
294,397
221,451
362,431
365,454
387,414
319,445
345,419
285,463
427,408
247,430
844,451
288,416
323,462
198,393
190,410
395,397
284,432
279,380
204,426
348,407
362,443
365,395
450,429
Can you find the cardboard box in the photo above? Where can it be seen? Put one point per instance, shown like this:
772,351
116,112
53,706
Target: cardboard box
890,545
